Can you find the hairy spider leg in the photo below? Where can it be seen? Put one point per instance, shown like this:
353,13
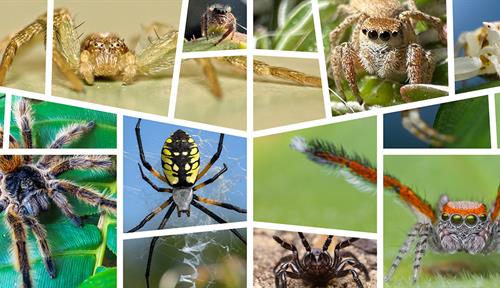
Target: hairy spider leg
144,162
21,251
86,195
152,214
23,116
62,203
19,39
412,122
61,164
354,261
304,242
403,250
281,270
211,75
355,275
43,246
218,219
420,249
496,207
153,242
328,242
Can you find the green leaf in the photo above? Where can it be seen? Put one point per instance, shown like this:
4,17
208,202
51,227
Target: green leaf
202,44
104,279
50,118
297,33
111,238
467,120
72,249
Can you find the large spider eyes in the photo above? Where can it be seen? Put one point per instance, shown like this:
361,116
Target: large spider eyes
445,216
471,220
364,31
483,217
395,34
373,34
457,219
385,36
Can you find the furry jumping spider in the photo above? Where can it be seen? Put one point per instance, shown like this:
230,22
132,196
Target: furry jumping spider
98,55
317,267
218,19
450,227
383,43
180,160
481,52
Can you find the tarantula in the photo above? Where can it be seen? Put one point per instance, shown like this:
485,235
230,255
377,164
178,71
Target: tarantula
317,267
218,19
452,226
383,43
98,55
180,158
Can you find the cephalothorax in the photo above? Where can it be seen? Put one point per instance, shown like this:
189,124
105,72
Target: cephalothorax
481,52
28,187
98,55
180,159
218,19
383,43
317,267
450,227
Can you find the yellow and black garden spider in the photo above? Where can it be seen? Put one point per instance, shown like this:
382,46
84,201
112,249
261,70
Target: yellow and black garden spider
180,160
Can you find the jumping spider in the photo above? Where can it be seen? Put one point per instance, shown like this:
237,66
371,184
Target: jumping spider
452,226
317,267
218,19
383,43
180,160
98,55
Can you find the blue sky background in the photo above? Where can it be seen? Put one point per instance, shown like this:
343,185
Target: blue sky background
140,198
468,16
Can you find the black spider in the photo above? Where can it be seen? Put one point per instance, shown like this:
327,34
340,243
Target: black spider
317,267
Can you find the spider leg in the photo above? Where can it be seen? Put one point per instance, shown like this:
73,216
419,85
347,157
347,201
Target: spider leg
3,205
152,214
280,271
420,248
62,203
12,141
215,157
338,32
288,246
221,204
218,219
144,162
87,195
145,178
21,252
19,39
354,262
58,165
410,238
328,241
71,133
345,243
343,61
153,242
23,115
264,69
415,125
66,70
435,22
230,29
211,76
206,182
304,242
43,246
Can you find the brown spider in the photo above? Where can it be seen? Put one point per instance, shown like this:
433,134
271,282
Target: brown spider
26,187
218,19
99,55
317,267
383,43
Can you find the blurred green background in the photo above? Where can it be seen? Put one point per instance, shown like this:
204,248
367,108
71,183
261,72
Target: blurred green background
290,189
211,259
472,178
497,108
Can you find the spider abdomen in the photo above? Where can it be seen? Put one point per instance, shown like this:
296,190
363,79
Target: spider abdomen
180,159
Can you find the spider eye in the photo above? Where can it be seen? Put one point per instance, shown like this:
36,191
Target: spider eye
483,217
445,216
385,36
364,31
471,220
457,219
395,34
373,35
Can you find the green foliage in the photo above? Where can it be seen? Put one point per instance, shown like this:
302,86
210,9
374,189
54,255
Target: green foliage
467,120
104,279
301,192
50,118
77,251
203,44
